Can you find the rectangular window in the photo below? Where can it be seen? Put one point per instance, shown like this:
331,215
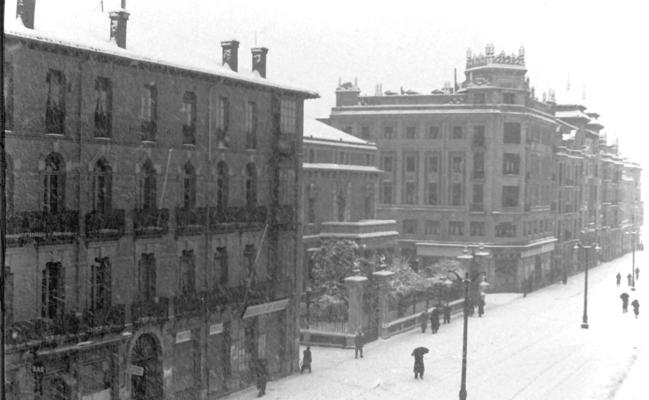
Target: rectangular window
288,116
458,132
411,132
479,98
411,164
189,118
511,163
187,268
53,291
478,165
222,119
148,112
478,197
386,193
510,196
433,132
410,193
456,228
509,98
221,264
8,93
512,133
457,164
365,133
55,111
100,285
505,229
341,157
431,227
476,228
457,198
433,164
388,132
387,163
103,107
478,136
410,226
433,195
251,125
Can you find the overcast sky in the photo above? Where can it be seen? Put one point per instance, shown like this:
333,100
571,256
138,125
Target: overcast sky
599,47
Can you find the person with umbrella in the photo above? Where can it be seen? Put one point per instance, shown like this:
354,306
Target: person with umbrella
618,278
434,320
418,353
423,320
636,307
625,302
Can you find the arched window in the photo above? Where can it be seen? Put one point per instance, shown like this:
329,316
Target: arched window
52,291
9,184
251,185
221,185
148,186
102,186
189,186
54,183
340,205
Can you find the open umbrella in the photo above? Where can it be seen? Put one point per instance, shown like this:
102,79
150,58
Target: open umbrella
624,296
419,351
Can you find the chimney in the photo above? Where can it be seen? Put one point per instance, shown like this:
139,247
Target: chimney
25,10
230,54
118,26
259,60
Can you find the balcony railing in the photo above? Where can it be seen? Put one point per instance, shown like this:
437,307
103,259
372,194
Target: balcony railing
285,214
150,222
190,220
260,292
105,225
114,316
43,225
189,134
187,304
226,215
158,309
286,146
148,131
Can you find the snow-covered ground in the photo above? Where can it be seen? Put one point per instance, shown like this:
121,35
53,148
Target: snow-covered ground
523,348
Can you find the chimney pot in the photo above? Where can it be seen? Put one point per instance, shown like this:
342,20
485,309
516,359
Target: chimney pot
118,21
25,10
230,54
259,60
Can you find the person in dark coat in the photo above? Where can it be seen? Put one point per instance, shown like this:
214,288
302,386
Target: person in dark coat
472,307
423,320
447,314
629,279
481,304
306,360
625,302
358,344
419,364
636,307
434,320
262,377
618,278
637,273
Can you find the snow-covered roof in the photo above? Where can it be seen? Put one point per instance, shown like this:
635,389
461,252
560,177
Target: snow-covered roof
88,29
341,167
314,129
572,114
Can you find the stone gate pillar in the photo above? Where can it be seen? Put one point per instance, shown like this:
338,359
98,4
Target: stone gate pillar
355,286
382,278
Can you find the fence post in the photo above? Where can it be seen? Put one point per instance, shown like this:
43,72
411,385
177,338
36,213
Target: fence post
382,278
355,294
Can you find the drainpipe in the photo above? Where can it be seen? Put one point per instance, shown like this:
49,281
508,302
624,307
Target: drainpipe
80,222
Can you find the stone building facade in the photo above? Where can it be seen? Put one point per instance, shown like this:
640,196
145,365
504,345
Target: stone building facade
153,230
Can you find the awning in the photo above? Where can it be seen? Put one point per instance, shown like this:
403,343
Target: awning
265,308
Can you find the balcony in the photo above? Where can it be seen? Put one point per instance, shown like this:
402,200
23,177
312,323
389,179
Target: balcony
43,226
189,303
190,221
150,222
43,329
260,292
286,146
106,225
113,316
243,215
189,134
148,131
158,309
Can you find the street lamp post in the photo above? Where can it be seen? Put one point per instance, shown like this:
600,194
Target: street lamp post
584,322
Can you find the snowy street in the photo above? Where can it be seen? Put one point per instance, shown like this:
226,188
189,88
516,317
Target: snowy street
523,348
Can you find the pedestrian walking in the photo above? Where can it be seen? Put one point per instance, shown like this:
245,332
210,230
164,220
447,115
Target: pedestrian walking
434,320
637,273
629,279
262,377
481,304
625,302
636,307
618,278
423,320
306,360
418,368
447,314
358,344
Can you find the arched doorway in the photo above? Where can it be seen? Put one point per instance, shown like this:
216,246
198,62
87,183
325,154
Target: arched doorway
146,355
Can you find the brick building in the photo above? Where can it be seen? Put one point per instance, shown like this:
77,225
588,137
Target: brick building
152,219
488,162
